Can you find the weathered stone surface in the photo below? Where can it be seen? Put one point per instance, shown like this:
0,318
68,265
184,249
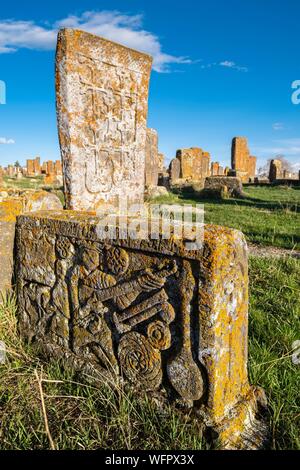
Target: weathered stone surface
221,171
12,204
187,188
58,168
151,162
194,163
33,166
275,171
215,169
174,169
168,319
102,90
252,167
205,164
161,162
234,185
242,163
157,191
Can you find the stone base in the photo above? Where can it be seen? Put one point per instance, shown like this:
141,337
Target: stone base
156,191
169,320
217,183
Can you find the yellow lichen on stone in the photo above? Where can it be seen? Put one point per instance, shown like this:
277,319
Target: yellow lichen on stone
142,286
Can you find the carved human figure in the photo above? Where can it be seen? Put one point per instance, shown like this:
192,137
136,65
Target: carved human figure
60,303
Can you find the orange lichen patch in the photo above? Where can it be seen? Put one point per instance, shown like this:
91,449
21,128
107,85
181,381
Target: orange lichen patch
194,163
101,85
207,363
10,209
223,309
241,161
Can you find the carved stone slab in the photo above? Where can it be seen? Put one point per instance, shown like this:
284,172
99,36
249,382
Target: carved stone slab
167,319
102,92
12,203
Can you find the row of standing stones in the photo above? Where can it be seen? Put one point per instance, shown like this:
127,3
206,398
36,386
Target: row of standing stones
169,320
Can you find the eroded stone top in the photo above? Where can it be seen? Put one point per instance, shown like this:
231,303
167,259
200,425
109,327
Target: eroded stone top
102,92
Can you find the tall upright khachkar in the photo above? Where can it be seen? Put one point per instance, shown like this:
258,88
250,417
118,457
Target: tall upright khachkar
275,171
171,321
102,93
242,162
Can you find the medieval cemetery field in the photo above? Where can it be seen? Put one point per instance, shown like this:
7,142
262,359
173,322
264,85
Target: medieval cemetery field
42,406
117,331
267,215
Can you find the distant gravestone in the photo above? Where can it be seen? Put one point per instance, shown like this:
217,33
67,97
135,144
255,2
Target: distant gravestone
242,162
215,169
175,169
102,92
275,171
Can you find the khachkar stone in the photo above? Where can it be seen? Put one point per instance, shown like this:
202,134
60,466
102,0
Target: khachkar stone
175,170
30,167
252,167
215,169
190,160
205,164
171,321
239,154
151,162
242,162
37,166
161,162
102,91
275,171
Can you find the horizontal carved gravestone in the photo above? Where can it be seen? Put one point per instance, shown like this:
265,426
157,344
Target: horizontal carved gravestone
102,93
234,185
169,320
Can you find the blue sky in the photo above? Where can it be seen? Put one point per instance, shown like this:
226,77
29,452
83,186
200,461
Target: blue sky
221,69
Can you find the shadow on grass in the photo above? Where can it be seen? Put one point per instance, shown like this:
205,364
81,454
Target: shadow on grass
246,201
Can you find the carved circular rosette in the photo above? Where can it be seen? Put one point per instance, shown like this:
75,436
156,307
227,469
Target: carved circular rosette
159,335
139,361
117,260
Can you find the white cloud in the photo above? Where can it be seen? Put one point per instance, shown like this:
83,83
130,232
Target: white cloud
112,25
278,126
225,63
232,65
5,141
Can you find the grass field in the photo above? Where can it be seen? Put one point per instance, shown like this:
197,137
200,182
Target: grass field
267,215
35,182
82,416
